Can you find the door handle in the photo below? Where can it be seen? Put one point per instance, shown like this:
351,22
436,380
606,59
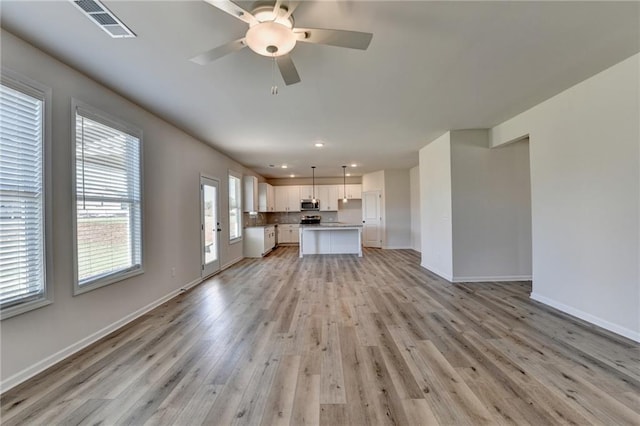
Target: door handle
219,230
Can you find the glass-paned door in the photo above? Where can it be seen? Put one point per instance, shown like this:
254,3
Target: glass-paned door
210,225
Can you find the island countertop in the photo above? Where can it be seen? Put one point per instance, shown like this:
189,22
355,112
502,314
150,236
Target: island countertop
329,225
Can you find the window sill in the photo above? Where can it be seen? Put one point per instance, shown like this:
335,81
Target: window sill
22,308
105,281
235,241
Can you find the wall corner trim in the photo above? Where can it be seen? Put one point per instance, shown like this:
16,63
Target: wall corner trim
435,271
614,328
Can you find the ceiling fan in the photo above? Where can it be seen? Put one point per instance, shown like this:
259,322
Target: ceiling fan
272,33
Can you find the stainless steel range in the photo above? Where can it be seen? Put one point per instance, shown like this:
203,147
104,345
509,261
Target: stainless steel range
310,219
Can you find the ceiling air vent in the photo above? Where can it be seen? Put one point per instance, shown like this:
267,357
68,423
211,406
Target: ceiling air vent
103,17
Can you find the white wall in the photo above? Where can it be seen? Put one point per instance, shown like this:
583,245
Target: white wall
375,182
435,206
585,179
173,162
395,205
491,208
350,212
414,183
397,209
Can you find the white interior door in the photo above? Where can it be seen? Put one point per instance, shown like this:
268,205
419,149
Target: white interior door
371,219
210,225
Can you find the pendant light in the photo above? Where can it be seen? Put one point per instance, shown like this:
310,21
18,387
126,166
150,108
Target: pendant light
313,183
344,183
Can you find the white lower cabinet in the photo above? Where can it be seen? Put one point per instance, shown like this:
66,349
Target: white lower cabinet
288,234
259,240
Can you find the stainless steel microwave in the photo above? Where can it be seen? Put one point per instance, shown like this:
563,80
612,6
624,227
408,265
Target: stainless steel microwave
309,205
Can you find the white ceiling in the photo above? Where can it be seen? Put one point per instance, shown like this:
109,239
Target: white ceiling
431,67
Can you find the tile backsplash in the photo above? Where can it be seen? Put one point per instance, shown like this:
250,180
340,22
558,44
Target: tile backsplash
293,217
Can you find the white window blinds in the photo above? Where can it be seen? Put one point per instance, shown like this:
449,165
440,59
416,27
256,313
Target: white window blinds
108,201
22,257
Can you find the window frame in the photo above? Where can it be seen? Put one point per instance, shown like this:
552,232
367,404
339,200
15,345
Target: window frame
34,89
240,196
106,119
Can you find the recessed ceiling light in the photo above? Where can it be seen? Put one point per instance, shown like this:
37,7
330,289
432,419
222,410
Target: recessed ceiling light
318,144
348,174
292,175
354,165
284,166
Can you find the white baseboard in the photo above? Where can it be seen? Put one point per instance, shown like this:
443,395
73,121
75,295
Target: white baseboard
191,284
614,328
231,263
51,360
222,268
492,278
438,273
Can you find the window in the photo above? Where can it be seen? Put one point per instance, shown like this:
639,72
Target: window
235,206
108,200
23,261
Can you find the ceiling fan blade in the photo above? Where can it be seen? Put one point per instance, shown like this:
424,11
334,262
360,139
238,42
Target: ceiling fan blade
234,10
218,52
291,6
340,38
288,70
276,7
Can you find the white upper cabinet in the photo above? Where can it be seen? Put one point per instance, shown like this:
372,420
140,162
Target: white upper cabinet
306,192
294,199
266,198
281,198
353,191
250,196
328,196
287,198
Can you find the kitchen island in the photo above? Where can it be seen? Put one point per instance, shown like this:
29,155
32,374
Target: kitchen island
331,238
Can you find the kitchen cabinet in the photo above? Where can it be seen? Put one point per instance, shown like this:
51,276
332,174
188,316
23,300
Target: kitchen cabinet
331,239
266,198
354,191
288,233
306,192
328,196
250,195
259,240
287,198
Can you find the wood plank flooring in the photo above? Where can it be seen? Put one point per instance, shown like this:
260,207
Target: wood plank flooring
342,340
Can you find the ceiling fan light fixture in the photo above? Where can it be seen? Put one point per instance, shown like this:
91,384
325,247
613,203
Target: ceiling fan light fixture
271,39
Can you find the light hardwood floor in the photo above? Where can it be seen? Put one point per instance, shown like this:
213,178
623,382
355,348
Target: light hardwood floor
342,340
